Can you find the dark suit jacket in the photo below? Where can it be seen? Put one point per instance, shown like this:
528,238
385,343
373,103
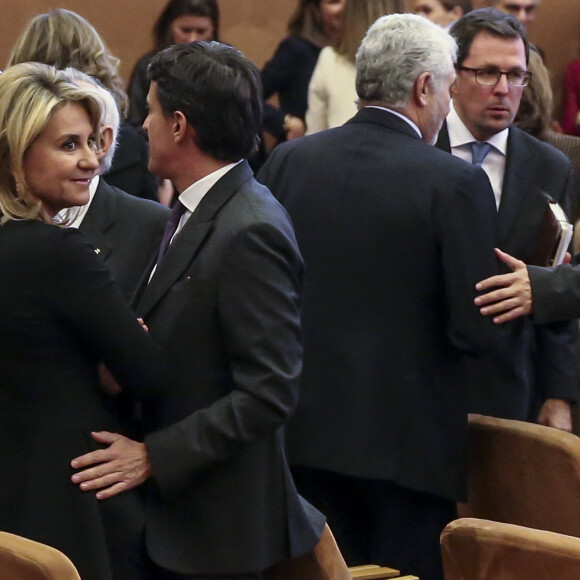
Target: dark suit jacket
126,231
547,356
394,235
225,302
60,315
129,171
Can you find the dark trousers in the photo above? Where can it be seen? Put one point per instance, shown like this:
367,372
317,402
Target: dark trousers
378,522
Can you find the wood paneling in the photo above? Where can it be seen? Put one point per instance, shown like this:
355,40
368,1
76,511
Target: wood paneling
254,26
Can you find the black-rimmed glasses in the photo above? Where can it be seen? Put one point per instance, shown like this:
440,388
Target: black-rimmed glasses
491,76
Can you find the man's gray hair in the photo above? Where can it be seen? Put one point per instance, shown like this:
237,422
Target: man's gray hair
109,111
396,50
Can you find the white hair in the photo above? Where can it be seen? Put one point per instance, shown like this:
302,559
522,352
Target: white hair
109,111
396,50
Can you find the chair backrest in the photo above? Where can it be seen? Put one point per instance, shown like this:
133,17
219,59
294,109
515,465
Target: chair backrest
524,474
23,559
474,549
325,562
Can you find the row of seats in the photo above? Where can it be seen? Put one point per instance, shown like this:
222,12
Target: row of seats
521,521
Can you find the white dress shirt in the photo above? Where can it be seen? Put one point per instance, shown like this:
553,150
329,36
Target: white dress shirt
460,139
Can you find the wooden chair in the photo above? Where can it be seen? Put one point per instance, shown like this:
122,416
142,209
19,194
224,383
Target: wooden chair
475,549
525,474
325,562
23,559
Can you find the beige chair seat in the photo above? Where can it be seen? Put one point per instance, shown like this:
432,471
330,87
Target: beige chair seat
23,559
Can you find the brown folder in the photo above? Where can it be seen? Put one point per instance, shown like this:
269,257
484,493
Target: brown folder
554,237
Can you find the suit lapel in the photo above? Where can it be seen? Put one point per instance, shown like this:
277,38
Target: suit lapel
100,217
190,239
516,186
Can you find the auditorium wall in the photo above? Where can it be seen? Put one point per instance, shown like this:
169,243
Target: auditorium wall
254,26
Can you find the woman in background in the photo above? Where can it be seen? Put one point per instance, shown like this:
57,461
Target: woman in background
332,94
60,314
62,38
181,21
535,116
314,24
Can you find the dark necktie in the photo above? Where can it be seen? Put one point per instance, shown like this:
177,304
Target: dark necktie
479,151
170,227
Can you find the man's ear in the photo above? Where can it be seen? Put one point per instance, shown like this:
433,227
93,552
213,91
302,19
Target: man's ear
423,89
106,140
180,126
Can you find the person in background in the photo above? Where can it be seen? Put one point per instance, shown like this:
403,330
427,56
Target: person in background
442,12
571,100
524,173
314,24
64,39
180,21
60,314
524,10
535,116
331,93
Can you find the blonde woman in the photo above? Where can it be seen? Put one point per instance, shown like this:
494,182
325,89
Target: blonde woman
64,39
331,93
60,314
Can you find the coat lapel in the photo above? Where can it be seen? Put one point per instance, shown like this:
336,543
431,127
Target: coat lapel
190,239
516,187
99,219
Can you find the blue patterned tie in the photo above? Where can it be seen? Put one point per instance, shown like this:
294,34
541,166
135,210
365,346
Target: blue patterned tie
170,227
479,150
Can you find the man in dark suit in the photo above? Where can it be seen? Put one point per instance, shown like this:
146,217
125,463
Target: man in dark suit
524,173
125,231
393,234
223,300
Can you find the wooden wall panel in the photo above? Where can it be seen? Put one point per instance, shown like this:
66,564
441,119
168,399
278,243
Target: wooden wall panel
254,26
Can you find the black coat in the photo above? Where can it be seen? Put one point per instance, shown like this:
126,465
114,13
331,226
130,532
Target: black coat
126,231
61,314
225,302
394,235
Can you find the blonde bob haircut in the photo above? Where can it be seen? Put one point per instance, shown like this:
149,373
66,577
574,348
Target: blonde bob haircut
64,39
29,94
358,16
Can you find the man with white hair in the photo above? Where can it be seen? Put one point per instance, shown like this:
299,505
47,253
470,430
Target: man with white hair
393,234
125,230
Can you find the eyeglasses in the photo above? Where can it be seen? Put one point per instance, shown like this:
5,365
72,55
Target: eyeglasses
491,76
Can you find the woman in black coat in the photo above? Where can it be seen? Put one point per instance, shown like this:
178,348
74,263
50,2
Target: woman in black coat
60,315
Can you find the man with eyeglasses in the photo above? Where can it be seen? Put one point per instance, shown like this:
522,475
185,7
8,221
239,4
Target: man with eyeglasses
491,76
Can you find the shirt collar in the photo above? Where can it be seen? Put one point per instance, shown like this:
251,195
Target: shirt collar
401,116
192,195
460,135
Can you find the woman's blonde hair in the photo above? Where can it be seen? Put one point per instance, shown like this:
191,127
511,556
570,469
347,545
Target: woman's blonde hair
29,95
64,39
357,18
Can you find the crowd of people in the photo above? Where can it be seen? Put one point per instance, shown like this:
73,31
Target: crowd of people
191,393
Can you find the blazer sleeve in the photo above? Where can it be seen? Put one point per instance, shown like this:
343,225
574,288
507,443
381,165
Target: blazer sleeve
258,302
555,293
85,299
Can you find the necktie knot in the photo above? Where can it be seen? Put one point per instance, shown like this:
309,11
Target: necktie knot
479,151
170,227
